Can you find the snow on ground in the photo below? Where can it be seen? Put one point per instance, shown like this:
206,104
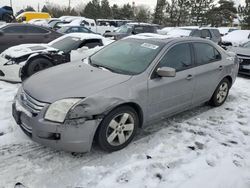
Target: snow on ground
204,147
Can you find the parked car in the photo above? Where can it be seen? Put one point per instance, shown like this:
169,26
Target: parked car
6,14
225,30
206,33
19,62
124,86
235,38
74,29
15,34
131,29
243,53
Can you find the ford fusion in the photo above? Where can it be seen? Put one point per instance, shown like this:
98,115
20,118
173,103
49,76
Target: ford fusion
124,86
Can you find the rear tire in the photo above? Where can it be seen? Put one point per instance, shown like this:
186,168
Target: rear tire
221,93
118,129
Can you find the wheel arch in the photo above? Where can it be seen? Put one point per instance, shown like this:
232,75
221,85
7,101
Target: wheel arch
32,58
230,79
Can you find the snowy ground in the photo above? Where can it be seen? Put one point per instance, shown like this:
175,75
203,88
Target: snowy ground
202,148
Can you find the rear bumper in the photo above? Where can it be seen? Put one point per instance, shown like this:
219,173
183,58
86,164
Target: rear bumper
73,135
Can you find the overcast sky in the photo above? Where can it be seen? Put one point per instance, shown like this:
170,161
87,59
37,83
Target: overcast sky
19,4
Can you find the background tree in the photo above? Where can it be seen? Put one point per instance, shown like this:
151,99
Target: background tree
92,10
105,9
142,14
159,11
199,11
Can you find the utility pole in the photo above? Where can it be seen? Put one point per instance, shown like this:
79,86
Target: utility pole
11,3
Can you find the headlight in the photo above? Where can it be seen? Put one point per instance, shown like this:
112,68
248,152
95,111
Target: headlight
59,109
10,62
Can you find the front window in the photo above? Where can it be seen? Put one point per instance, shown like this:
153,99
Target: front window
124,29
129,57
66,44
178,57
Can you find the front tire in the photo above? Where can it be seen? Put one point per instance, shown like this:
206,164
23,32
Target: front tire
118,129
36,66
221,93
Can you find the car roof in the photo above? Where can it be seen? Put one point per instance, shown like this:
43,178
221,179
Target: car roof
165,39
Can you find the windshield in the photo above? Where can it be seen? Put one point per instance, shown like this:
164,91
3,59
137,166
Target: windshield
246,45
124,29
127,56
66,44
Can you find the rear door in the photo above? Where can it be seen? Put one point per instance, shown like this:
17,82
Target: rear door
13,35
37,35
167,95
208,71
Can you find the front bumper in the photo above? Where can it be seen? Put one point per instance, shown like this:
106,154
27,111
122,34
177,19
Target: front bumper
244,67
73,135
9,73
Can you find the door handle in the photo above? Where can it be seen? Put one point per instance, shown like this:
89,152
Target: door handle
220,68
20,36
189,77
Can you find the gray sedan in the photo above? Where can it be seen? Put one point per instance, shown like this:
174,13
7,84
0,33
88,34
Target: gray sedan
125,86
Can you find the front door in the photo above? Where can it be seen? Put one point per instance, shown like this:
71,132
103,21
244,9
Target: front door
167,95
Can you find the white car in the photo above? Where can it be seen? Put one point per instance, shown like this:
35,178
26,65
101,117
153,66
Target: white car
19,62
236,38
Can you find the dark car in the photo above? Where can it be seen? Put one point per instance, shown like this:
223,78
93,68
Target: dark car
15,34
131,29
6,14
74,29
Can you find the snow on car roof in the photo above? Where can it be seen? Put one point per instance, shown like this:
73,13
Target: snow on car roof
82,36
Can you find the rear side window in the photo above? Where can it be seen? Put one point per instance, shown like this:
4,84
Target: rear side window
196,33
205,53
205,33
216,32
15,29
91,43
149,29
36,30
178,57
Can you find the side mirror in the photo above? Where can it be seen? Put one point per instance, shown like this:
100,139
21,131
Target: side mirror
208,38
166,72
1,33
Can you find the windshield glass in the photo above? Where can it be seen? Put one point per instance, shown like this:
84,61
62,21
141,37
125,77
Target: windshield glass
124,29
127,56
246,45
66,44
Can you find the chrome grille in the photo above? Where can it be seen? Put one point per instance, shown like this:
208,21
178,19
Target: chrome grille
32,104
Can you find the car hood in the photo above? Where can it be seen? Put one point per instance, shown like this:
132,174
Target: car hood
240,51
77,80
26,49
236,41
